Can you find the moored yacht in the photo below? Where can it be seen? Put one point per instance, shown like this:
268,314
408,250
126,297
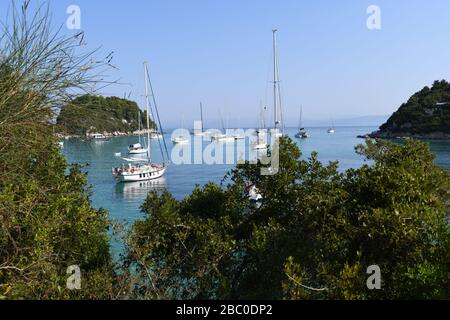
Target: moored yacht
140,171
180,140
331,130
137,169
302,133
136,148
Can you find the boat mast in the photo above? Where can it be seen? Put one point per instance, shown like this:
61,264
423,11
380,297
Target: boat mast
221,120
261,121
201,115
301,118
139,125
275,108
147,105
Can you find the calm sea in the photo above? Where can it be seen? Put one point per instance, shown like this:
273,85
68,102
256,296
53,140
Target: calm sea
124,200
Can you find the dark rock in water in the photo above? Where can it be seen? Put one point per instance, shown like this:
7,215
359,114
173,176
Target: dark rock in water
408,135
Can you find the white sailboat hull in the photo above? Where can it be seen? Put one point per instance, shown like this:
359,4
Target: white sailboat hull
259,146
180,141
143,174
138,151
222,138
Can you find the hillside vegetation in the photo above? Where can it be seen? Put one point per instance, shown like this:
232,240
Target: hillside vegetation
425,115
90,114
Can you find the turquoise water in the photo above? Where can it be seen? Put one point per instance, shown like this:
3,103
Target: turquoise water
124,200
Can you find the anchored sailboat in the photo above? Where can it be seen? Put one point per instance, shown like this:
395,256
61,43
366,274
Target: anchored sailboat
222,137
302,133
277,106
143,169
137,148
261,143
200,132
331,130
181,139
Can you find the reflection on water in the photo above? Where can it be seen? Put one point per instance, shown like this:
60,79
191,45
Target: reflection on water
140,189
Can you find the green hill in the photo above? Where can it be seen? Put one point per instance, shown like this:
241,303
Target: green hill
426,115
92,114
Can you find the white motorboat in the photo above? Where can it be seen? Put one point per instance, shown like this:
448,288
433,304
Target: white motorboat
98,137
136,148
156,135
253,194
180,140
222,138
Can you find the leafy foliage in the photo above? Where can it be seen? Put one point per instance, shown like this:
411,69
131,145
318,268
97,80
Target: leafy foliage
46,221
313,237
427,111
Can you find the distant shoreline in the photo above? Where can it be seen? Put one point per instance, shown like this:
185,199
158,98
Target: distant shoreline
105,134
407,135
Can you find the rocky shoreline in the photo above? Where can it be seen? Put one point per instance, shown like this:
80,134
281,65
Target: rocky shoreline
407,135
107,135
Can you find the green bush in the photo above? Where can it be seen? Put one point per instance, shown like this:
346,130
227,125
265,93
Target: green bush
314,236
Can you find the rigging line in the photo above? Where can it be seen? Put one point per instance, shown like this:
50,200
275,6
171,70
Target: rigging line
149,139
160,146
281,108
159,119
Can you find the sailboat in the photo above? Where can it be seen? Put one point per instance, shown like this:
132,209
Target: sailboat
156,135
222,137
331,130
200,132
302,133
137,148
142,169
180,139
260,143
278,125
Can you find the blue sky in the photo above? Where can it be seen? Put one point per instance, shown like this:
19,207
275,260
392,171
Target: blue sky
219,52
